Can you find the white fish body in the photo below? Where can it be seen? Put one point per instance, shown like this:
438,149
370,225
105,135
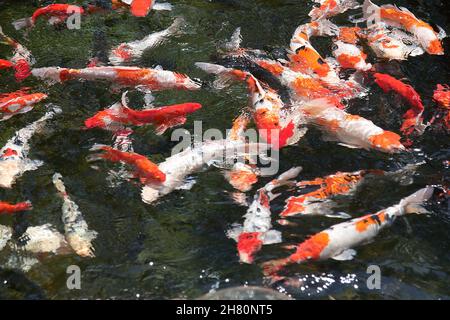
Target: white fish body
76,229
14,155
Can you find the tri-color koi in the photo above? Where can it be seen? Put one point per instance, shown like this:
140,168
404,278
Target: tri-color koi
14,159
346,51
257,228
18,102
151,79
338,241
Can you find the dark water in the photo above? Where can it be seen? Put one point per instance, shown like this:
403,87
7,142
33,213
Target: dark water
178,248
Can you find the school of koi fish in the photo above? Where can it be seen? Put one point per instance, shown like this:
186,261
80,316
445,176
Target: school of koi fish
301,90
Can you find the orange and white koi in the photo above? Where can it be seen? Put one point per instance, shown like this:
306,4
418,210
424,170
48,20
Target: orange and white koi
404,19
56,13
177,167
305,58
329,8
140,8
14,155
257,228
120,115
9,208
76,230
151,79
278,124
318,202
346,51
18,102
129,51
22,59
413,119
350,130
144,169
241,176
338,241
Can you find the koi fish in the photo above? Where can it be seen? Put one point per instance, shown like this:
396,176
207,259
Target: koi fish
242,176
14,155
151,79
177,167
129,51
318,201
392,44
76,230
22,59
56,13
442,96
329,8
140,8
5,64
257,228
346,51
8,208
351,130
18,102
145,170
338,241
413,119
277,124
305,58
162,118
404,19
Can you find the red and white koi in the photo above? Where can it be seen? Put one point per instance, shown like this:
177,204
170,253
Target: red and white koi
129,51
9,208
404,19
18,102
338,241
442,96
350,130
330,8
151,79
120,115
14,155
76,230
22,59
346,51
177,167
413,119
257,228
278,124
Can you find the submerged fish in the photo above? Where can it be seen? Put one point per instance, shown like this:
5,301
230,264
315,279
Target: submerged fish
140,8
406,20
350,130
151,79
76,230
329,8
120,115
338,241
257,227
9,208
14,155
129,51
18,102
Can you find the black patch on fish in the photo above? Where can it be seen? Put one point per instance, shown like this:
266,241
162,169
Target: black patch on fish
376,219
300,49
320,61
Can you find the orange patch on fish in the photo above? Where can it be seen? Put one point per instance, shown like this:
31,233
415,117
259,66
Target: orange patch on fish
311,248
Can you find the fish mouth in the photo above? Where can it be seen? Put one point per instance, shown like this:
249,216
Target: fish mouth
245,257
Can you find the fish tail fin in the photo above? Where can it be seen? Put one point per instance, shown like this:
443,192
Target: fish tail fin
369,10
140,8
272,267
22,23
22,70
327,28
162,6
224,75
286,178
58,183
176,26
414,202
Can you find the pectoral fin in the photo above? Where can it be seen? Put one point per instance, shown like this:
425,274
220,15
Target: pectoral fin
345,255
340,215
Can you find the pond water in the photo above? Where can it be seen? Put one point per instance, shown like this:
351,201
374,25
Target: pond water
177,248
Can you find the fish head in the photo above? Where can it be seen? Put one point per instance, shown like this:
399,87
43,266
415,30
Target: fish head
387,141
150,194
249,243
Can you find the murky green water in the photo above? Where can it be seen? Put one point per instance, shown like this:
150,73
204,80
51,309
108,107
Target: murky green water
178,248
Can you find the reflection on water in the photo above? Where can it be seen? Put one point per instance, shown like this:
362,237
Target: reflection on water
178,248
